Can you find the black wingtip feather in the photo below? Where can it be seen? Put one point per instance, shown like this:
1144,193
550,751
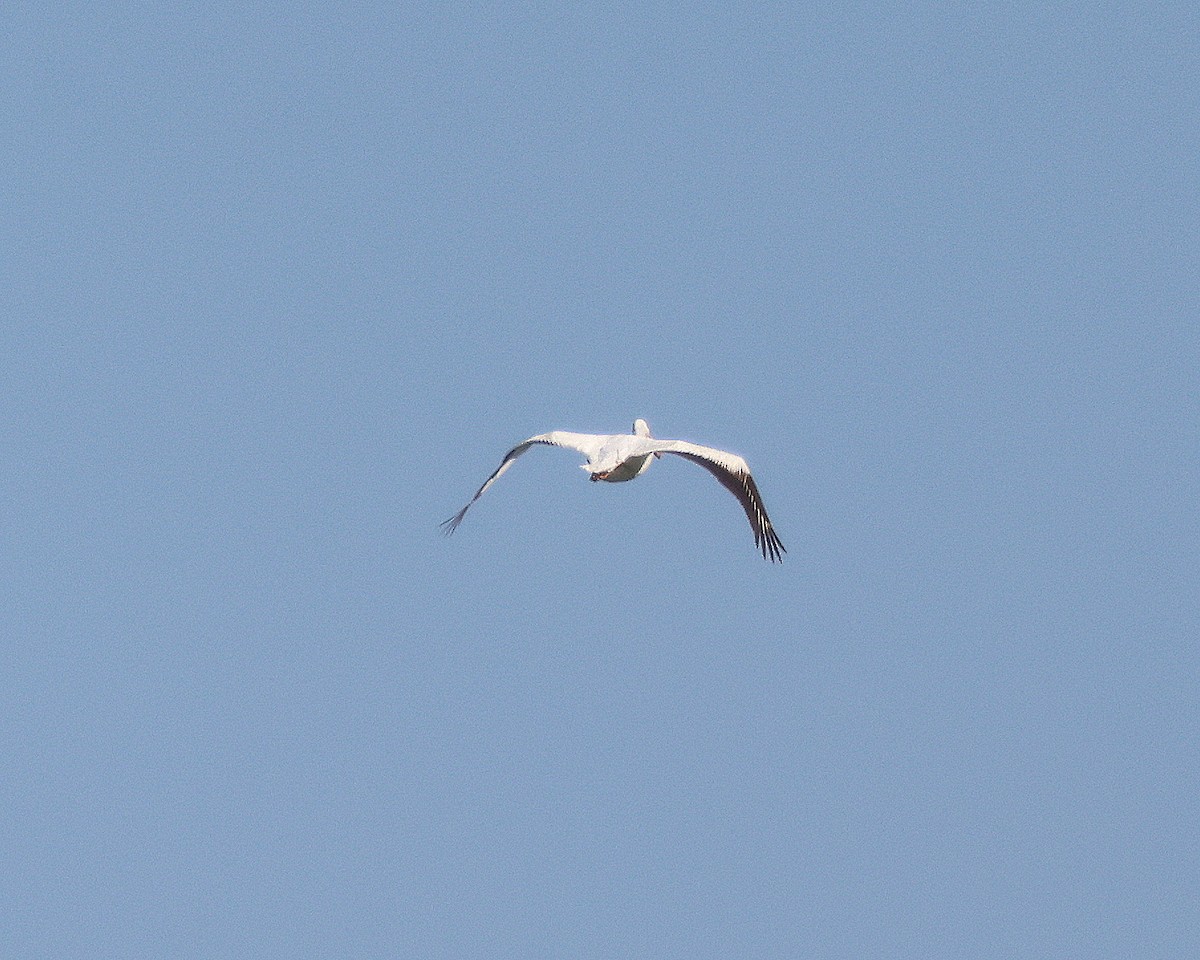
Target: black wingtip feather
449,526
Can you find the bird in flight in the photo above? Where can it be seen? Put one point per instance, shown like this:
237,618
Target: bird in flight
619,457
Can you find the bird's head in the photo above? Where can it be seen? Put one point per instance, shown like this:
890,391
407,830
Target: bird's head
641,428
598,471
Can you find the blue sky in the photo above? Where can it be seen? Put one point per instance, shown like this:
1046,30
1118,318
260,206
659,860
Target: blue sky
283,282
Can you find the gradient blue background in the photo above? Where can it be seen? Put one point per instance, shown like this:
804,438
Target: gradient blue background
281,283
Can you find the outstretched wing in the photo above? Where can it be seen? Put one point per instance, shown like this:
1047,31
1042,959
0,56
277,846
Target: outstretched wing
734,475
585,443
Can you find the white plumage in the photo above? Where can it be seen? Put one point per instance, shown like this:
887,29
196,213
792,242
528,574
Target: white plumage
619,457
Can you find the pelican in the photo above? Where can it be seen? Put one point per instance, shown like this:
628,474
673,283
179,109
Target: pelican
619,457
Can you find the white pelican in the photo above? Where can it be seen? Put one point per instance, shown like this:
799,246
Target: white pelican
619,457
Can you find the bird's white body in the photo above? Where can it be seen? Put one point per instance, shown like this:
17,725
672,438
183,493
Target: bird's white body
616,458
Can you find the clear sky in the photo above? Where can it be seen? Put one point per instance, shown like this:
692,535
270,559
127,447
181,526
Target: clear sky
282,282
